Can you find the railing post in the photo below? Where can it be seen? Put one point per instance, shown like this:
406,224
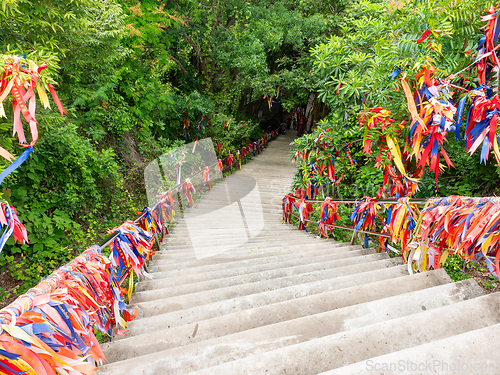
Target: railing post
353,238
180,202
157,241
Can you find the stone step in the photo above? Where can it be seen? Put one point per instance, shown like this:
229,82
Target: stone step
229,216
275,313
241,185
256,233
241,233
292,247
262,298
188,246
262,276
236,241
273,187
245,195
263,339
276,227
239,258
345,267
361,344
217,207
270,243
190,266
249,200
236,191
304,238
165,280
298,238
277,230
466,353
247,179
244,192
244,179
270,229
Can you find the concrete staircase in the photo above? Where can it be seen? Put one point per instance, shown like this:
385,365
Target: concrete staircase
235,291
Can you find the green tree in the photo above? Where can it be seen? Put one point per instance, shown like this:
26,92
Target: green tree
376,38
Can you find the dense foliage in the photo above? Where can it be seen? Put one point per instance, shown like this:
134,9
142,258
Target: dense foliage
379,43
138,78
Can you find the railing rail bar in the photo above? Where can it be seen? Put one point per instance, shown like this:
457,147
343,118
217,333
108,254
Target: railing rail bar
344,227
351,201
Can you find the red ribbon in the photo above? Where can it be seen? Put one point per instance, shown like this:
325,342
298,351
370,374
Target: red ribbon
56,99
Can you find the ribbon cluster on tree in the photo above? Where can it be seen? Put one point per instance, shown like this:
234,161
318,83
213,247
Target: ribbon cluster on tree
21,78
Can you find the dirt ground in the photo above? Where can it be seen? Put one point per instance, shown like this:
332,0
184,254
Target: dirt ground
9,285
483,277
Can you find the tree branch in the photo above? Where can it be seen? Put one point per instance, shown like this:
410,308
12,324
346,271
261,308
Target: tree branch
77,48
216,21
180,65
193,44
202,65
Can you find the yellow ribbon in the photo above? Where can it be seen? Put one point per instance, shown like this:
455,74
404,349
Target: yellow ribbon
43,96
411,103
396,155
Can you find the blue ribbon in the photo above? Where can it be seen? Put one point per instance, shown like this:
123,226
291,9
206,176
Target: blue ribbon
427,93
9,355
150,220
481,42
491,266
442,123
461,106
395,72
63,312
389,215
418,98
24,57
434,150
8,231
16,163
489,91
361,220
484,150
37,328
412,129
11,370
497,31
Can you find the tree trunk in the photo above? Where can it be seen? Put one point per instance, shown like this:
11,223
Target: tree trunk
199,55
325,111
309,110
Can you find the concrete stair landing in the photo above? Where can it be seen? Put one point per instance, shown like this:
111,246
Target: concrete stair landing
235,291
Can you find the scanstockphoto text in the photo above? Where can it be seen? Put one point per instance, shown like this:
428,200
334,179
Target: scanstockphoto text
435,366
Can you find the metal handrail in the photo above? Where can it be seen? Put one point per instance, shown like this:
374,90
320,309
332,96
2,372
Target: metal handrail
355,201
382,201
344,227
